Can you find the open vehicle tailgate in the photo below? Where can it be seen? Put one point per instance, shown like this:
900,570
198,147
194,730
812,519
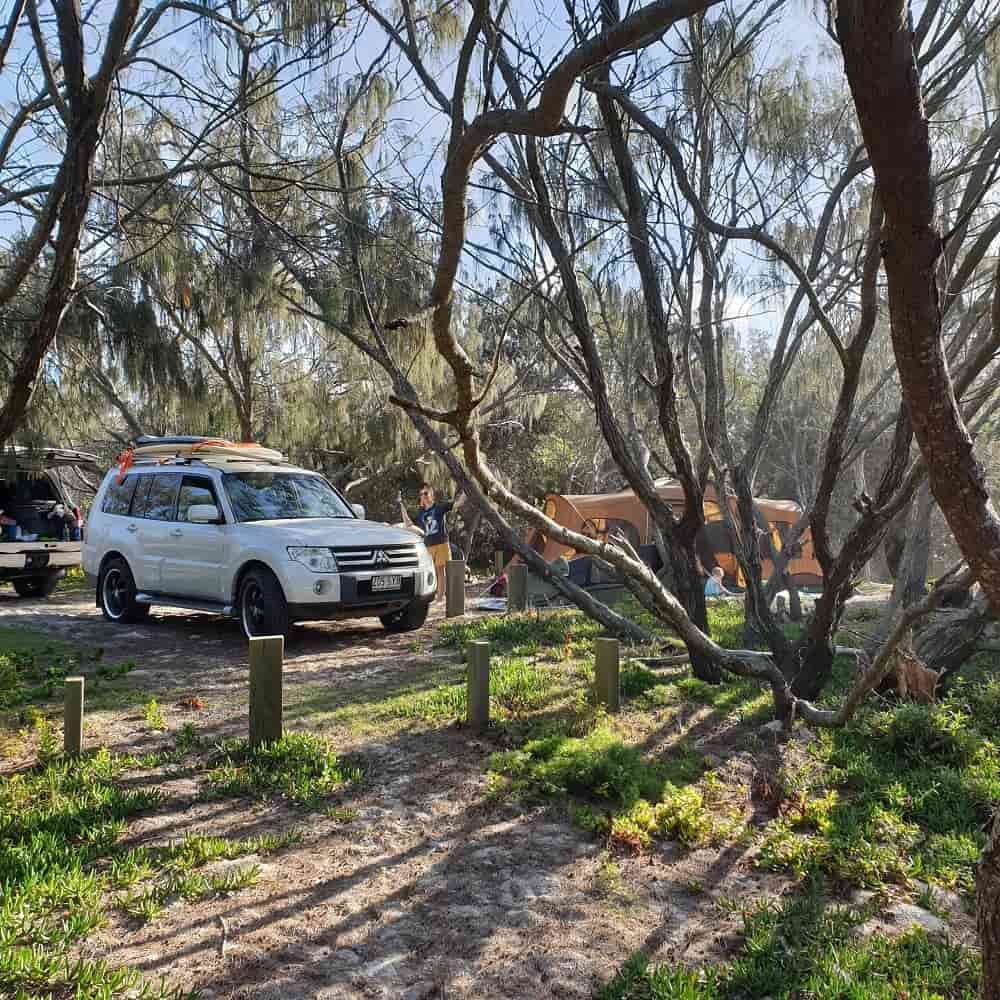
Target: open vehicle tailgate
39,555
41,459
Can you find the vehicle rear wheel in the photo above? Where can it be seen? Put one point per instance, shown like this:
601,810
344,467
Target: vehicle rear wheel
36,586
406,619
263,609
116,590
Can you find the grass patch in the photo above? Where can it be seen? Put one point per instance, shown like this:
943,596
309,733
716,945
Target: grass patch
75,582
902,794
299,767
34,667
153,715
517,688
505,632
613,788
58,824
805,947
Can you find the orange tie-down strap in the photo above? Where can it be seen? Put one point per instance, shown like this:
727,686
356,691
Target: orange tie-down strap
124,464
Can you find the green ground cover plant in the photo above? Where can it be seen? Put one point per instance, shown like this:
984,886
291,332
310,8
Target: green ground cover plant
805,946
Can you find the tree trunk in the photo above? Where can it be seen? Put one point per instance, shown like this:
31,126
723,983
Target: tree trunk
689,588
917,554
988,910
910,583
809,665
951,637
794,599
885,83
87,100
759,623
62,280
246,421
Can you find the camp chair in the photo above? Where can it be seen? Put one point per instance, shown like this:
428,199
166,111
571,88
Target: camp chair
542,593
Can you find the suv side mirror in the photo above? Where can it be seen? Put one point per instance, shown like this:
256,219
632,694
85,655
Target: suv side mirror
359,510
204,513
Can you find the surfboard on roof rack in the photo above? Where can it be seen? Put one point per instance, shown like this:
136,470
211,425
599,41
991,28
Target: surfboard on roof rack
192,448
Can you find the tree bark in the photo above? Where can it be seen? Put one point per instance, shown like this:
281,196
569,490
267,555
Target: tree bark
948,640
87,101
910,583
678,536
884,79
988,911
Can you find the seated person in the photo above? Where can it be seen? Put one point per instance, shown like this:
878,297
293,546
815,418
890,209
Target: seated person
714,586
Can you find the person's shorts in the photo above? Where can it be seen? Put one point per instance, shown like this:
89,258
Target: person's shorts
440,553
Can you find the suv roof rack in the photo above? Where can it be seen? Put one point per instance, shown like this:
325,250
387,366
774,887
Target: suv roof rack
184,449
211,461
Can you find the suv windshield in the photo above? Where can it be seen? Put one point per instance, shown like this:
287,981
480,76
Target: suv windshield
279,496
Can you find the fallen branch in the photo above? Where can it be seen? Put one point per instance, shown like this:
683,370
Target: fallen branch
662,661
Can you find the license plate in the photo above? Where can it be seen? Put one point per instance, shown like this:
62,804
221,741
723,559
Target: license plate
386,583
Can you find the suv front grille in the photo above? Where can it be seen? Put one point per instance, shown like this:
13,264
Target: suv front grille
358,558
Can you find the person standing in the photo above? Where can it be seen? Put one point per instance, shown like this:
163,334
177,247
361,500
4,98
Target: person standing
432,519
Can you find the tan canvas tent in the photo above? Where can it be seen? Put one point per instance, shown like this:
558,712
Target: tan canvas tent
601,514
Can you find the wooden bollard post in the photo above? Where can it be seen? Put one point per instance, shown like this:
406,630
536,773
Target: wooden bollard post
454,588
477,712
497,563
517,587
73,717
267,655
606,673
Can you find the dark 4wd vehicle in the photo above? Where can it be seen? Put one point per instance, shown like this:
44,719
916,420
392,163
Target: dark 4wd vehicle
41,530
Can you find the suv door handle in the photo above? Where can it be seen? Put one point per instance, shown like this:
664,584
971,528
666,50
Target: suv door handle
176,532
133,527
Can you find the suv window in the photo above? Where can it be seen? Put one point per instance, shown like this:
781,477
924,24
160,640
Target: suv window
161,504
194,491
141,492
262,496
119,496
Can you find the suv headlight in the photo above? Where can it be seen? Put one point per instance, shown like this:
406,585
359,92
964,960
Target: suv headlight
314,557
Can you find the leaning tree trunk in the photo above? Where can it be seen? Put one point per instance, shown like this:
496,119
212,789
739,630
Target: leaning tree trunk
885,84
952,637
988,911
86,100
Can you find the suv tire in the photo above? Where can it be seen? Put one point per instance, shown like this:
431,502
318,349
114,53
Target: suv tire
36,586
406,619
262,606
116,594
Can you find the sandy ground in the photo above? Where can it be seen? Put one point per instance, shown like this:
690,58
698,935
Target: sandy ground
432,890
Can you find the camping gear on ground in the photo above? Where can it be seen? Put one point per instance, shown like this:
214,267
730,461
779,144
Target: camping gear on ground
603,515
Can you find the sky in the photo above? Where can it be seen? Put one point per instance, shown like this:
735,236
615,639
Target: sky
797,36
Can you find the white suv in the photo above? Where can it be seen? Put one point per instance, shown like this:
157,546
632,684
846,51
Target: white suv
269,544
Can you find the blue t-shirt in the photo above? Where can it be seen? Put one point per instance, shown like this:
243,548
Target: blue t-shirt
434,522
712,588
